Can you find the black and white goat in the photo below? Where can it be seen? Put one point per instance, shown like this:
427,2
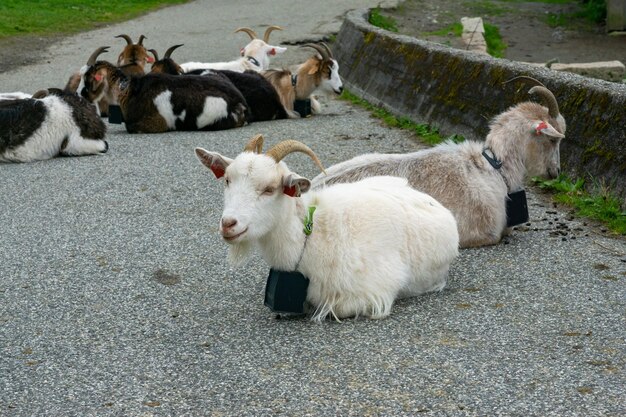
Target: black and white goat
155,103
53,122
262,98
318,74
255,55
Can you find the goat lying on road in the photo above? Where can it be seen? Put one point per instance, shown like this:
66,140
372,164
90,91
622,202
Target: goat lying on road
371,242
524,138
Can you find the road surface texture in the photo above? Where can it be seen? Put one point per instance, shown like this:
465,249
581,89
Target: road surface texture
116,297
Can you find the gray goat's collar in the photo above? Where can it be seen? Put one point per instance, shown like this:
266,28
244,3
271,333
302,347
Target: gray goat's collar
294,79
493,160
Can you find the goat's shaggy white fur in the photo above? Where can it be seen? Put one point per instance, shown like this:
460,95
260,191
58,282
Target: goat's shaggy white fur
373,241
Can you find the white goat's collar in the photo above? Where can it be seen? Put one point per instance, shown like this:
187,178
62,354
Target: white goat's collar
308,229
254,61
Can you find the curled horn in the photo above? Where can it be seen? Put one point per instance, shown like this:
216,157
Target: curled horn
330,53
269,30
254,145
319,49
170,50
249,31
140,41
543,92
284,148
92,59
154,52
129,41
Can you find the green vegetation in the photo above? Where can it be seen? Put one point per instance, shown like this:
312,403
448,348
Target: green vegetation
383,22
597,204
49,17
427,133
456,29
495,44
486,8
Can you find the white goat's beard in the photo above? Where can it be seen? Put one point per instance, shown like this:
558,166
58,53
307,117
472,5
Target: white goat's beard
239,253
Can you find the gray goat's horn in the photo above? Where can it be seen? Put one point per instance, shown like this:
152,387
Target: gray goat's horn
129,41
140,41
254,145
92,59
249,31
170,50
542,91
284,148
154,52
269,30
549,99
319,49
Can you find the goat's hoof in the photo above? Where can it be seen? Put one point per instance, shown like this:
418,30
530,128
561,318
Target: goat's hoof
106,147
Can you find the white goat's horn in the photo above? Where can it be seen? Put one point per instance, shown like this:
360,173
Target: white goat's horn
266,37
319,49
254,145
129,41
284,148
170,50
92,59
249,31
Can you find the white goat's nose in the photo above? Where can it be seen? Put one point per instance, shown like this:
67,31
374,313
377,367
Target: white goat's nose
228,222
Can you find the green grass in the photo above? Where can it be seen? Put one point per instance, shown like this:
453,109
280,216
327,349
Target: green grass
598,204
495,45
383,22
52,17
456,29
427,133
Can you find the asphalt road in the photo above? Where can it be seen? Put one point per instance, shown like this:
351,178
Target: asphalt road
116,297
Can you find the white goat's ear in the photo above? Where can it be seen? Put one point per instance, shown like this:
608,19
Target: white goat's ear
214,161
540,127
294,185
275,50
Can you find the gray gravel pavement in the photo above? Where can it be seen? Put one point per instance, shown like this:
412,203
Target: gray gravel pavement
116,297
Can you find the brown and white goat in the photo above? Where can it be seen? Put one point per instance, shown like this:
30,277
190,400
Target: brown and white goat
318,74
133,58
154,103
473,178
255,55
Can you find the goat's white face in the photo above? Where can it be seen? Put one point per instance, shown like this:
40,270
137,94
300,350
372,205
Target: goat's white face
331,81
261,51
256,188
543,158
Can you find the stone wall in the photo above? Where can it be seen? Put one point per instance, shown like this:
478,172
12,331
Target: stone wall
460,91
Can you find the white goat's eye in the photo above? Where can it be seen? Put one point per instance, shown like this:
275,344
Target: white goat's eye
269,190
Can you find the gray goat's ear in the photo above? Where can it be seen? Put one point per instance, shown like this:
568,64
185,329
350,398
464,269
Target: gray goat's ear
214,161
544,128
294,185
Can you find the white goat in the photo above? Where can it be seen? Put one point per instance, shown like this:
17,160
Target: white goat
255,55
371,242
51,123
318,74
524,139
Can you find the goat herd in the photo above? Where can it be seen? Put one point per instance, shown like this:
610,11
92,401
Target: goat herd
377,227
